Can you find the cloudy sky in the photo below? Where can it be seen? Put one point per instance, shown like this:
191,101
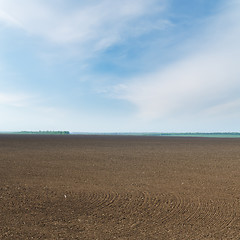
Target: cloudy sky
120,66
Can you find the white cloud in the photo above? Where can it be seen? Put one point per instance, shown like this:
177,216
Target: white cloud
208,77
100,23
14,99
36,117
21,111
9,19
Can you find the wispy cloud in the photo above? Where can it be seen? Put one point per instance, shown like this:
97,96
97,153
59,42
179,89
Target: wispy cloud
14,99
206,78
21,111
100,23
9,19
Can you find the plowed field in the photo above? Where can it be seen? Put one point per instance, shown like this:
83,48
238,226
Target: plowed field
119,187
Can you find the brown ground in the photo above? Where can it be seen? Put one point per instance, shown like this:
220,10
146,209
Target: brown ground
118,187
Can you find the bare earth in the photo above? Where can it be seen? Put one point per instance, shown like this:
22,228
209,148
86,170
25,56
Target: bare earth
119,187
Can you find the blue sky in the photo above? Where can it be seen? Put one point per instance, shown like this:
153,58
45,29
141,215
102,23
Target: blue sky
120,66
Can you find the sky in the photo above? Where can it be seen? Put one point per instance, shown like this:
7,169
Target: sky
120,66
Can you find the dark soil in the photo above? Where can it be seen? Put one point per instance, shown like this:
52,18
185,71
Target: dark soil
119,187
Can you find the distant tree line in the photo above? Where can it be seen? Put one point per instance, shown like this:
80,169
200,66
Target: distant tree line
45,132
197,133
